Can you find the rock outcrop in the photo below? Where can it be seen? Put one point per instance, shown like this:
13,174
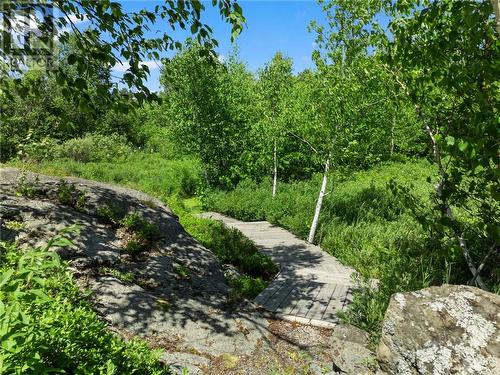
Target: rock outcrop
451,329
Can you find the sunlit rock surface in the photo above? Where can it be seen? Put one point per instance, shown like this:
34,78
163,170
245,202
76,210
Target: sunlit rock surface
451,329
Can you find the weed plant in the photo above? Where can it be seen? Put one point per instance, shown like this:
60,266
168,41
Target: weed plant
48,327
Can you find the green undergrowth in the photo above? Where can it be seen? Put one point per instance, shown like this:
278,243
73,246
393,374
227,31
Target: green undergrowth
49,327
143,171
231,247
363,223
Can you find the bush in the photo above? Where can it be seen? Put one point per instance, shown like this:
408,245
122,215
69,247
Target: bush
68,194
49,328
95,147
246,287
44,149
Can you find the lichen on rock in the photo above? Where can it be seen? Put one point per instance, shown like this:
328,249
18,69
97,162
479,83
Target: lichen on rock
441,330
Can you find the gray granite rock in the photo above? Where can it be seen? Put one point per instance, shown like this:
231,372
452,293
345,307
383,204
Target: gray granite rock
441,330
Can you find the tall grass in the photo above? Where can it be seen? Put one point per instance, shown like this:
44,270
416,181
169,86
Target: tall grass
150,173
362,223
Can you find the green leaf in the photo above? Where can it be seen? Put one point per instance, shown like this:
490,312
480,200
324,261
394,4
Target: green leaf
80,83
462,145
60,242
450,141
72,59
5,277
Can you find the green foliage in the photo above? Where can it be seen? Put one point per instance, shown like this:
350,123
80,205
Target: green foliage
147,172
363,224
94,147
68,194
135,223
127,277
110,214
182,271
27,187
126,41
48,327
142,233
247,287
213,105
230,246
445,57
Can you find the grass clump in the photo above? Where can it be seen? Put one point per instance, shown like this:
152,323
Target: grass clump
127,277
14,224
230,246
246,286
68,194
141,233
48,327
110,214
181,271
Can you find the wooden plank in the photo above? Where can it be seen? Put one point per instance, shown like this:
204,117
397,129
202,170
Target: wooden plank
321,302
289,303
267,293
275,301
306,299
336,303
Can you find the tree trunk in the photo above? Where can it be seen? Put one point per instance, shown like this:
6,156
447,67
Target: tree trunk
496,8
275,174
319,203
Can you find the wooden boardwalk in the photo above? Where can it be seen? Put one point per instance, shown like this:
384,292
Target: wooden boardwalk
311,287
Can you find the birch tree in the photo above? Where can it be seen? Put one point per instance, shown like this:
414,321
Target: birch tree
342,50
445,57
275,80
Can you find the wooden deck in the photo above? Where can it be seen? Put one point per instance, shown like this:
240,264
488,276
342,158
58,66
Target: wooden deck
311,287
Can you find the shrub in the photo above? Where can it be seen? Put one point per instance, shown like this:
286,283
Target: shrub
230,246
49,328
142,233
44,149
110,214
247,287
68,194
95,147
27,187
135,223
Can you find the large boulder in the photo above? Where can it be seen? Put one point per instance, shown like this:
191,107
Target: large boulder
441,330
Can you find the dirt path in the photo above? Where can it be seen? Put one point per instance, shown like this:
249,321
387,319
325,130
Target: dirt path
312,285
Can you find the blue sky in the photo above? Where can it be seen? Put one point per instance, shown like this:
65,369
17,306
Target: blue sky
279,25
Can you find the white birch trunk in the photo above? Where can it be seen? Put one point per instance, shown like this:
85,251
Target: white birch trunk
275,172
448,212
319,203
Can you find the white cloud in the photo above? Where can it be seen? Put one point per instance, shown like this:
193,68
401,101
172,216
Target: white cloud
124,65
222,59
